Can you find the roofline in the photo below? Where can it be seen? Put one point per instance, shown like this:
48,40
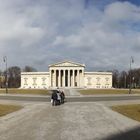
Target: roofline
34,73
52,65
102,73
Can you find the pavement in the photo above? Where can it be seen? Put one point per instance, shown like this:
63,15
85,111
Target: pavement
70,121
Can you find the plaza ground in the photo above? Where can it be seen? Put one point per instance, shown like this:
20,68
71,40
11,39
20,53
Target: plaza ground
71,121
81,121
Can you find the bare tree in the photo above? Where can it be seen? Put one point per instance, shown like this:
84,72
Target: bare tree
14,77
115,78
29,69
2,79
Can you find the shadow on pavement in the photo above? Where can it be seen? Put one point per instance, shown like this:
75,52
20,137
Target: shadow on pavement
132,134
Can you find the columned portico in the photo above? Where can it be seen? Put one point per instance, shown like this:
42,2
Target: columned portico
66,74
65,78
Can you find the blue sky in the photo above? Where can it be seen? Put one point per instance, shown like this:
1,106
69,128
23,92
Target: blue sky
136,2
103,34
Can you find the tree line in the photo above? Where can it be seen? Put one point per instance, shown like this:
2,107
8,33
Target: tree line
124,79
13,76
121,79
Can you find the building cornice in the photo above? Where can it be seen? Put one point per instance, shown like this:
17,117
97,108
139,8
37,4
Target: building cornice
99,73
34,73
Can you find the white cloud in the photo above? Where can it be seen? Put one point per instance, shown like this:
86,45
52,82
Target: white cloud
108,40
121,11
42,32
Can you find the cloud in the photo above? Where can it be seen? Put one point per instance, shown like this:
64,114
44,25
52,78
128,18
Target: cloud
125,11
109,40
39,33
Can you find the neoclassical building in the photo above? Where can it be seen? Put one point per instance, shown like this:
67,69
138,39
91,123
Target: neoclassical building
66,74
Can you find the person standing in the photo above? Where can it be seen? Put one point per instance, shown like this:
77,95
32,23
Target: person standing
54,98
62,97
58,97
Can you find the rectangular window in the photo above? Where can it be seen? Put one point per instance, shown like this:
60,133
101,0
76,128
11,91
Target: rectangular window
34,81
43,81
25,81
98,81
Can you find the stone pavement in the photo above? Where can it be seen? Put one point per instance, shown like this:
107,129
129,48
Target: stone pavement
71,121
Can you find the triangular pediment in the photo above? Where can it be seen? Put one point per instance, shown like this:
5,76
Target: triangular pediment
67,64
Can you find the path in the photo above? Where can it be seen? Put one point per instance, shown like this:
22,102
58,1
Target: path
71,121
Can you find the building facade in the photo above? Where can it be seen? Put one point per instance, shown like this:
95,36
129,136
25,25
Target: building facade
66,74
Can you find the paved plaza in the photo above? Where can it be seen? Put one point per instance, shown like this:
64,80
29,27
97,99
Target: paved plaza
71,121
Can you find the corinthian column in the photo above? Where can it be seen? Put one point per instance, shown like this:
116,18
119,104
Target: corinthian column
73,78
78,78
82,79
59,78
64,76
50,78
54,78
68,78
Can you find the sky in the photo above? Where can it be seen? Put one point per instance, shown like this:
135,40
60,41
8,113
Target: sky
102,34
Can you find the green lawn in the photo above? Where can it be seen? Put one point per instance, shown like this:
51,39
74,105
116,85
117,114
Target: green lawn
84,91
26,91
131,111
6,109
108,91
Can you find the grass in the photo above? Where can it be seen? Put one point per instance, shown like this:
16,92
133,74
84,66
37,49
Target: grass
108,91
84,91
131,111
26,91
6,109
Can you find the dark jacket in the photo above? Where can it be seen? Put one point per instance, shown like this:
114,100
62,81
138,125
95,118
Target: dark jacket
62,95
54,96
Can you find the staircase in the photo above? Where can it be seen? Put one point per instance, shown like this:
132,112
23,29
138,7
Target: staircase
71,92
